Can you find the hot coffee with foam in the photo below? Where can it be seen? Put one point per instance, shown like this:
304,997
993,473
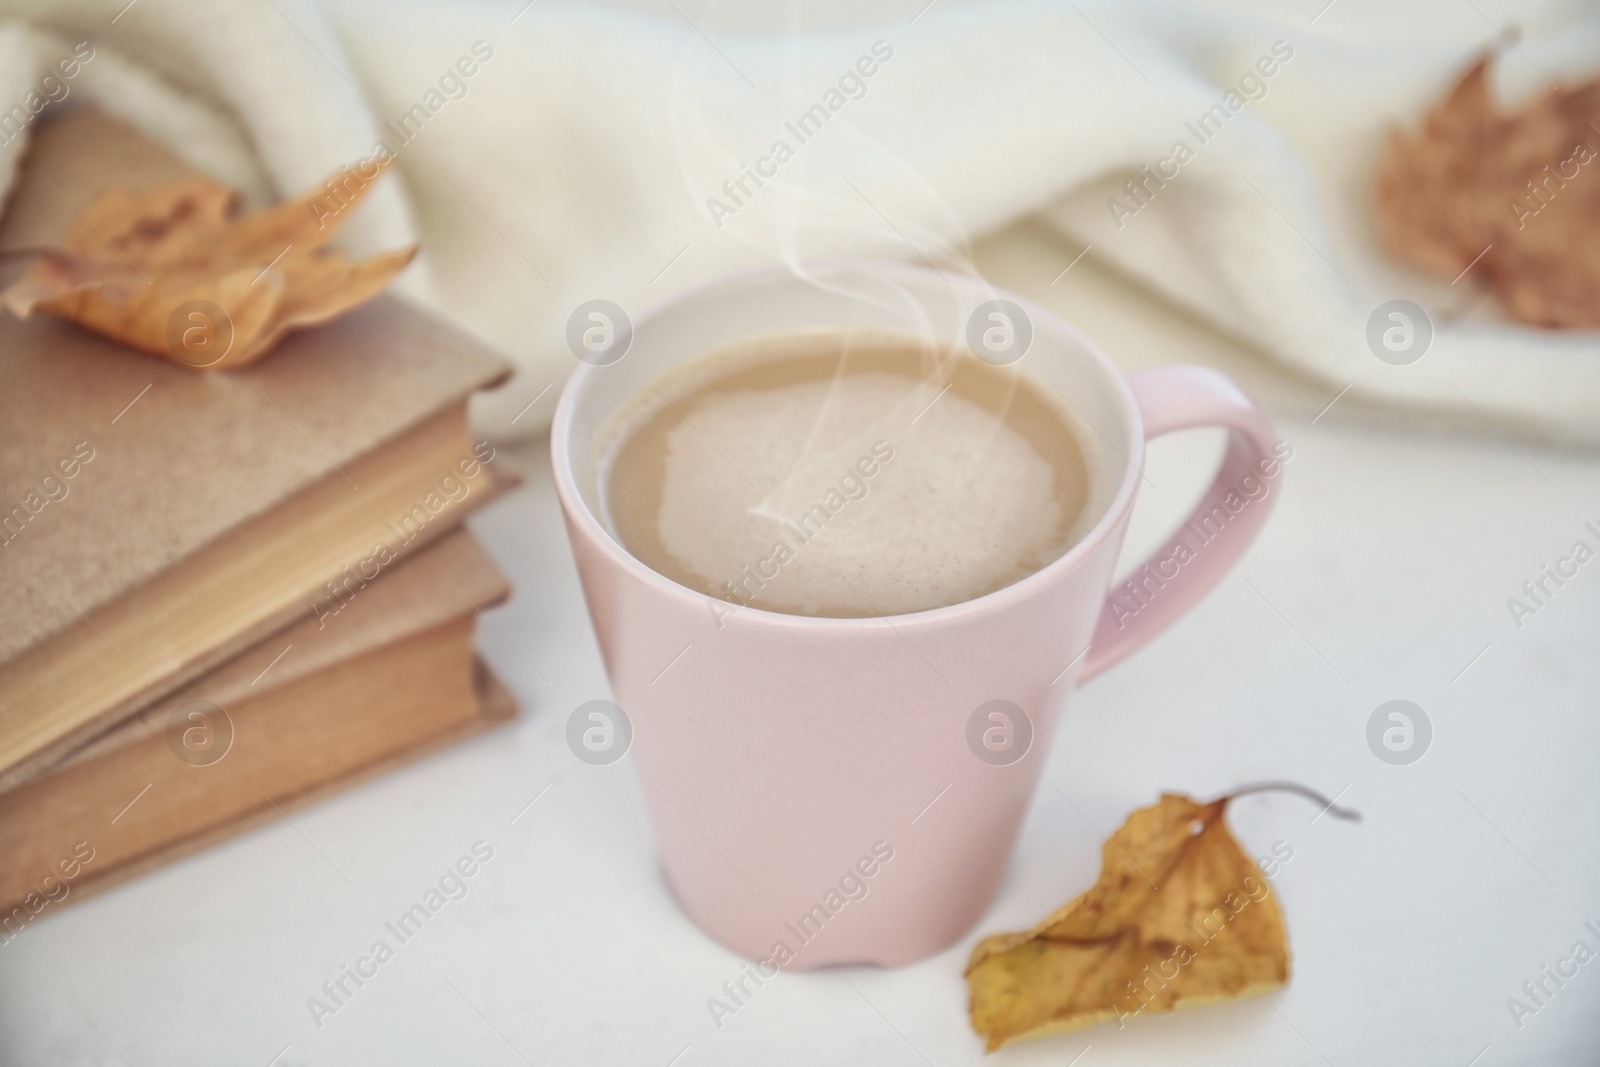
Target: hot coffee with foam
848,474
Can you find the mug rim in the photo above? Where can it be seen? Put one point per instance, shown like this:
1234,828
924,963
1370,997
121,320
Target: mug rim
578,512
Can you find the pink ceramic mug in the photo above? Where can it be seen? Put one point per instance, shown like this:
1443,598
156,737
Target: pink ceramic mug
849,790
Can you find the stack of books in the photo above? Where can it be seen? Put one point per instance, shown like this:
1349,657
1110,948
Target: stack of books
224,594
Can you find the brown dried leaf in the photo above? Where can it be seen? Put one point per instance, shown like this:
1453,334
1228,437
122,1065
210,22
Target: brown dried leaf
1521,184
1179,916
171,271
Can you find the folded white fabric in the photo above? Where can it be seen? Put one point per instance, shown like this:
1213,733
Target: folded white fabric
547,155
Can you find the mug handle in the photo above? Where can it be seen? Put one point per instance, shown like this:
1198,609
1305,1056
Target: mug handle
1216,534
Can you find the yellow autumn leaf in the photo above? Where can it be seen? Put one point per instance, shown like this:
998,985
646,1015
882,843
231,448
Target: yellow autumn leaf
173,272
1180,916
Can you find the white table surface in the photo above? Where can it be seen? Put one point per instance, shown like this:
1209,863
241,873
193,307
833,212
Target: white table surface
1383,573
